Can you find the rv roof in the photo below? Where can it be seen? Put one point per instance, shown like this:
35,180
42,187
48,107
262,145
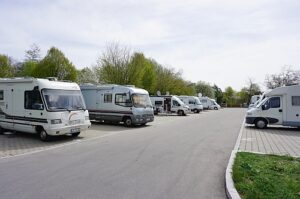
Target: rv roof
17,79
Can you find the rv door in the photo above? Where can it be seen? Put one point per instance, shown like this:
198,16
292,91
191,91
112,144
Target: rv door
272,109
9,105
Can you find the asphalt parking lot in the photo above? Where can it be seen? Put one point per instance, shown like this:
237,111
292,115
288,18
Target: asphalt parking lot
18,143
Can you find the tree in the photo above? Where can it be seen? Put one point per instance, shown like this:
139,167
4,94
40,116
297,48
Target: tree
28,68
86,75
33,54
112,65
218,94
205,89
251,89
286,77
229,96
55,64
148,80
135,70
6,68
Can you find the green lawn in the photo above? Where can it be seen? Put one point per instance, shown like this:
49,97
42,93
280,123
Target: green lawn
266,176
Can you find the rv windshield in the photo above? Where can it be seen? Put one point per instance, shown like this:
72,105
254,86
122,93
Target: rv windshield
178,100
261,102
141,100
57,100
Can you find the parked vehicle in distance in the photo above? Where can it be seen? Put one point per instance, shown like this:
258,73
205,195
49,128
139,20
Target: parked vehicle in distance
169,104
209,103
280,106
255,99
193,103
117,103
43,106
214,105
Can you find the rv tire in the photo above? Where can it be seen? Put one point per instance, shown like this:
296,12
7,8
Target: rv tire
180,112
1,130
196,111
75,134
216,108
127,122
261,123
44,136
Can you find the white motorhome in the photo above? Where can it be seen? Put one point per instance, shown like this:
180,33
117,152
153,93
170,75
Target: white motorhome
193,102
255,99
209,103
116,103
214,105
169,104
48,108
280,106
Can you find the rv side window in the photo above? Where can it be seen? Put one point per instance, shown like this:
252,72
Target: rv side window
33,100
175,103
191,102
275,102
1,95
158,103
295,100
107,98
122,100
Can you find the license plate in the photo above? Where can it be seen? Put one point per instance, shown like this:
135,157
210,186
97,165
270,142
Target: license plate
75,130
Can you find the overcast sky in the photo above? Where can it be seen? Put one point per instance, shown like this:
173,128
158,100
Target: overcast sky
221,42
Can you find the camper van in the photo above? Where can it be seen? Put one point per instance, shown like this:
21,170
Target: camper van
169,104
42,106
214,105
193,102
255,99
209,103
116,103
280,106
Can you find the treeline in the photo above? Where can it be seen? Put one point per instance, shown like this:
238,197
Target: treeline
119,65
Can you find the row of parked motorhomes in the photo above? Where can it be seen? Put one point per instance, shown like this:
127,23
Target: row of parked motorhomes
279,106
49,107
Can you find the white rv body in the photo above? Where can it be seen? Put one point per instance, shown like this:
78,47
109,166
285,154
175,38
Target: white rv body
169,104
280,106
42,106
214,105
193,103
209,103
118,103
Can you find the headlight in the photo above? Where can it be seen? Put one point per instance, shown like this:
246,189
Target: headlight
56,121
249,113
87,118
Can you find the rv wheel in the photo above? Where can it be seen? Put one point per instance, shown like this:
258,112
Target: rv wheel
180,112
75,134
216,108
44,136
260,123
128,122
1,130
196,111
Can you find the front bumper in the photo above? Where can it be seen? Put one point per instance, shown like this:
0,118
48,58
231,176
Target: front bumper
250,120
68,129
142,119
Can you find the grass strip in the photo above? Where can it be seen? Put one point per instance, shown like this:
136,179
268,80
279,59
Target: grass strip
259,176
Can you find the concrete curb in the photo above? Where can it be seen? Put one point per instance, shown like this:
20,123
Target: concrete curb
231,191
